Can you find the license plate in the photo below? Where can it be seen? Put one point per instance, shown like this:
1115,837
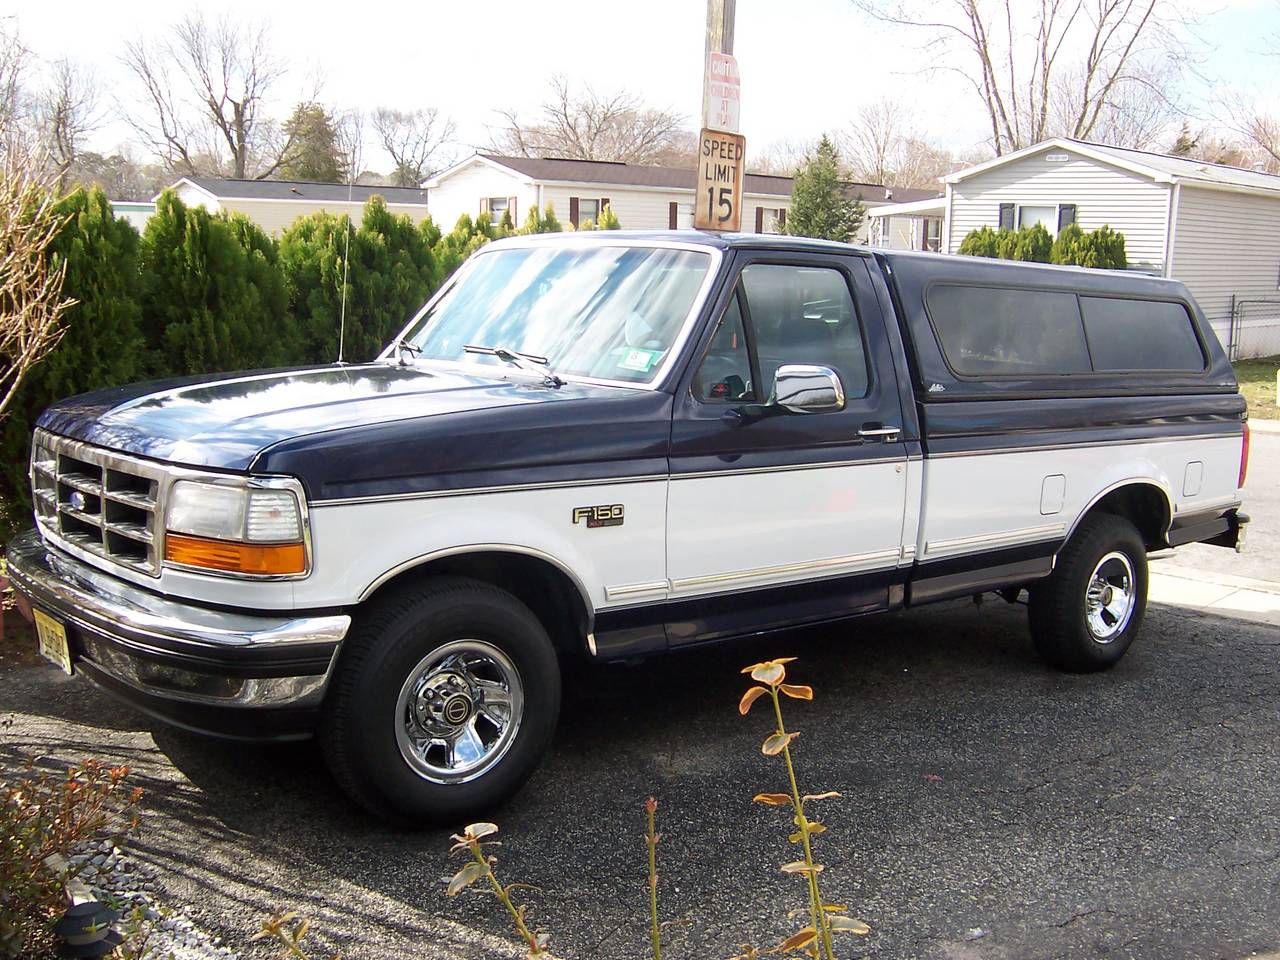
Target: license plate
53,640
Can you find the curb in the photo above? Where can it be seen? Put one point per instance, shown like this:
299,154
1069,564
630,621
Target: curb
1260,425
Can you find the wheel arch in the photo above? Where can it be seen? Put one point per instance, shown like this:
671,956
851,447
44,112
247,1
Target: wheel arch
1144,501
549,588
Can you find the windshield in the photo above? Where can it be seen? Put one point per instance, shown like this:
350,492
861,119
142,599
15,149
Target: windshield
605,312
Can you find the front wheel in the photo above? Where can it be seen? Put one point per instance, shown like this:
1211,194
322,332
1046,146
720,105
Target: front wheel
443,702
1087,612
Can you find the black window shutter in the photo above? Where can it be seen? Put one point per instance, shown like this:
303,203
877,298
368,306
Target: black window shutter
1066,215
759,219
604,202
1006,216
573,210
673,213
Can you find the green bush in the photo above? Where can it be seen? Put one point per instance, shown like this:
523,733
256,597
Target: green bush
102,345
983,242
201,308
1103,248
393,270
44,818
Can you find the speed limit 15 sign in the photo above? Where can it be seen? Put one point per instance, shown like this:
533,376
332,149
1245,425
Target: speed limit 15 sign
718,205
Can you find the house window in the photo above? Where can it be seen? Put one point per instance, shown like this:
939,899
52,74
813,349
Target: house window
1031,215
770,219
588,209
932,234
496,207
1053,217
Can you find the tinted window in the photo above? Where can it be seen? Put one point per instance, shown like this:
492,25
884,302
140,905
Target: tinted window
1008,333
804,315
725,372
1140,335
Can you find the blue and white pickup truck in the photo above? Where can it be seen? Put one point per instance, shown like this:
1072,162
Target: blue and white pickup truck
611,446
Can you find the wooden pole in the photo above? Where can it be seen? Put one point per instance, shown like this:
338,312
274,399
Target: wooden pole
721,15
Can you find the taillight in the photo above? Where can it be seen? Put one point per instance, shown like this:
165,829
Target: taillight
1244,456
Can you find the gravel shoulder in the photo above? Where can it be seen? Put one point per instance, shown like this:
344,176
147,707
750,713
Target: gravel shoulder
991,809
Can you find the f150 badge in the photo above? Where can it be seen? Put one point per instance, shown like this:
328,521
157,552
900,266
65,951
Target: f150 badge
608,515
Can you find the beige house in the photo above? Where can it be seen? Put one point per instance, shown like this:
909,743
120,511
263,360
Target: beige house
643,197
274,204
1215,228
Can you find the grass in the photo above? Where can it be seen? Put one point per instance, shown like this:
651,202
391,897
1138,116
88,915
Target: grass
1258,384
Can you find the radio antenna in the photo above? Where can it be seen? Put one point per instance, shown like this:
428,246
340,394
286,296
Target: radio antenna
355,122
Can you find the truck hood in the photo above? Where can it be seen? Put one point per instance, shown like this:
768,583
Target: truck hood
226,422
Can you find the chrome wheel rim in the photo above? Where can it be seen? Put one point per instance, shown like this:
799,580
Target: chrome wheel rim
459,711
1111,597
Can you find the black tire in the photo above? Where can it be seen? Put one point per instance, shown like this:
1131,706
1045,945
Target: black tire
388,644
1061,627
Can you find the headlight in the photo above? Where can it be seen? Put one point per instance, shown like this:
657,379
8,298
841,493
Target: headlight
243,530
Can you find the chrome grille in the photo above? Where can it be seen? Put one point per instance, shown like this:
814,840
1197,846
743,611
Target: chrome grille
97,501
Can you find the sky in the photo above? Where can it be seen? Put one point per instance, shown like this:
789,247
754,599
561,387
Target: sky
806,65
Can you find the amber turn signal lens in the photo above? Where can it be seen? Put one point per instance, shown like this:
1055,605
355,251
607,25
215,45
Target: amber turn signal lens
260,559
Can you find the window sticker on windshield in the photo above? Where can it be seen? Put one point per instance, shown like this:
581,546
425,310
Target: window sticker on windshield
639,360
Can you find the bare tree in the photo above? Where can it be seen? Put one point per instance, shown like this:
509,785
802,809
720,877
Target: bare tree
415,139
1249,118
31,300
204,90
781,157
68,112
585,125
883,146
15,62
1076,68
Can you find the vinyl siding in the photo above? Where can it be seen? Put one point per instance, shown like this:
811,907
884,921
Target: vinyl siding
1225,244
274,216
650,209
461,192
1132,204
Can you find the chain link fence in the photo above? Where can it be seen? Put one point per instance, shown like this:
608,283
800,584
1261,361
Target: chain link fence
1254,329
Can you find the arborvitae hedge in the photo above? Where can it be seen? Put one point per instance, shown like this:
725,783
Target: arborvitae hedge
102,345
203,309
1103,248
393,271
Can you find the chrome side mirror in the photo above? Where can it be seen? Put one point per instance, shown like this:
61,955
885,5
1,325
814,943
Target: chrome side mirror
807,388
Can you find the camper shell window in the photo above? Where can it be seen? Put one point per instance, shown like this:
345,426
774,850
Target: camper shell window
995,332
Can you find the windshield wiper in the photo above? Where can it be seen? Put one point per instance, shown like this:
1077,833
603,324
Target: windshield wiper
402,347
529,362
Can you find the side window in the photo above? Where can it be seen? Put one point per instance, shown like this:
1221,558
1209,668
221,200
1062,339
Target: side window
1140,335
805,315
725,372
1006,332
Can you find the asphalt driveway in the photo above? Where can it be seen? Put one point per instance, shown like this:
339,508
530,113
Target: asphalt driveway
992,809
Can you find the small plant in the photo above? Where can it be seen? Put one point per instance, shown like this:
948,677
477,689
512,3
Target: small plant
472,839
651,839
43,818
824,918
288,930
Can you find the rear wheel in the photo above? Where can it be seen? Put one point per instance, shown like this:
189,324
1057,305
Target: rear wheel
1088,611
443,702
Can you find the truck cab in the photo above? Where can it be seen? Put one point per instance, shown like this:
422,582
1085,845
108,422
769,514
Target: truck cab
611,446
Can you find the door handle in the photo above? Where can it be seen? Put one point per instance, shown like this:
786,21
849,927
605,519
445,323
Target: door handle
880,433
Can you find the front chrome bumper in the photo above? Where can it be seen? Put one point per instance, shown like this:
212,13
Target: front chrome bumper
228,673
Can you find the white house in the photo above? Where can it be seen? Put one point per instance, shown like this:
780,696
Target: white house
1214,227
643,197
274,204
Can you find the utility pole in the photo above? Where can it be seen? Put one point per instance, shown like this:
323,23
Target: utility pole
721,15
721,149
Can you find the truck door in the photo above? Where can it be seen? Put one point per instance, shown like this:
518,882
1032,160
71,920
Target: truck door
779,517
